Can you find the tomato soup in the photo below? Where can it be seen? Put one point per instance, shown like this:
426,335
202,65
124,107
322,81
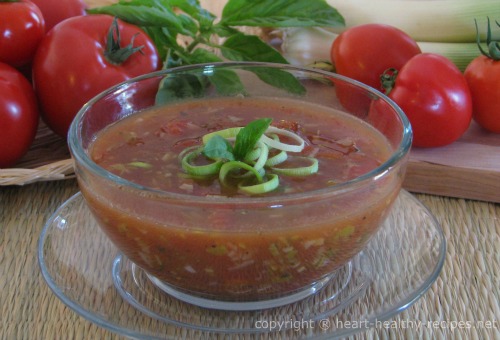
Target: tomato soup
217,243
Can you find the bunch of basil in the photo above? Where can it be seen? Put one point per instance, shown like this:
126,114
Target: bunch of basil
165,21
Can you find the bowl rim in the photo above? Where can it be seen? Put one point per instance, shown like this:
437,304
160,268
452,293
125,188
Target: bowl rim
79,155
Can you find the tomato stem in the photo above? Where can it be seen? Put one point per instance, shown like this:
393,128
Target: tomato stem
493,46
114,53
387,79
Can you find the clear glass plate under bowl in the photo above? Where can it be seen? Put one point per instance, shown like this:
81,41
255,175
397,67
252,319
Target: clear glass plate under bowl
89,274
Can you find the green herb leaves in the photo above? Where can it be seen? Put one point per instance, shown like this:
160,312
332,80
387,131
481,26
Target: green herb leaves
280,13
248,137
247,163
164,24
208,41
218,147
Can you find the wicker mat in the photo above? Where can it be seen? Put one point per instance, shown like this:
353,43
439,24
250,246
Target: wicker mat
463,303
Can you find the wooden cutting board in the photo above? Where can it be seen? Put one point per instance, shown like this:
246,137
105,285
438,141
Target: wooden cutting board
467,168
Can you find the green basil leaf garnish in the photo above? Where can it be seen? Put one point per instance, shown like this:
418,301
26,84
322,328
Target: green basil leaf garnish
218,148
249,136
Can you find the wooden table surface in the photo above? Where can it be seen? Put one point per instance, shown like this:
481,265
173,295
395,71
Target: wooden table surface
466,292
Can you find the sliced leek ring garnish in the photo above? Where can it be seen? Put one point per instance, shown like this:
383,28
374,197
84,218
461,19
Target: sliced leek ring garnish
277,144
199,170
189,149
264,153
253,155
226,133
299,171
278,158
226,168
257,172
261,188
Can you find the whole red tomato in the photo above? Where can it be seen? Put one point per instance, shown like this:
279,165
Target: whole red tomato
434,94
364,52
55,11
73,64
483,77
22,27
18,115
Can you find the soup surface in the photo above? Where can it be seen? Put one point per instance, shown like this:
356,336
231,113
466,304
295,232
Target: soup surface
234,251
144,148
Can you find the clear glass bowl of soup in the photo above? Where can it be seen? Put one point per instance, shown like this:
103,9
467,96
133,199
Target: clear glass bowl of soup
205,243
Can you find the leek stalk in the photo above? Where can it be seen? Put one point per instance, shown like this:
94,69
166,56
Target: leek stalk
423,20
306,46
460,53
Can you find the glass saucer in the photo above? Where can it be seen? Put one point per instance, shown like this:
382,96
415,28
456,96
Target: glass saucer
85,271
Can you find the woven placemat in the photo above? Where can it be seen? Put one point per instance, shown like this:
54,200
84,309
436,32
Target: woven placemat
466,293
47,159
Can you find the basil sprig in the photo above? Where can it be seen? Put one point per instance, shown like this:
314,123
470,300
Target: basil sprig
218,147
164,24
160,20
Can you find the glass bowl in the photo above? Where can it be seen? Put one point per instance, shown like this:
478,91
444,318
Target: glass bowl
239,252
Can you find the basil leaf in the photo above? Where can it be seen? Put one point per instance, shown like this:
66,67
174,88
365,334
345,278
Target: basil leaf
249,136
187,85
202,56
179,86
241,47
194,9
280,79
163,40
146,13
280,13
172,60
218,147
224,31
226,82
189,25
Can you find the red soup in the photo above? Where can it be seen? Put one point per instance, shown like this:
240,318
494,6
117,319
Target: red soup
215,242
